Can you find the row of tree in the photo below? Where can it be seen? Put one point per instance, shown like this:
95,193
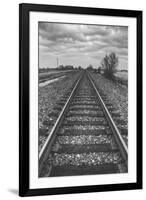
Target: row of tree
68,67
108,66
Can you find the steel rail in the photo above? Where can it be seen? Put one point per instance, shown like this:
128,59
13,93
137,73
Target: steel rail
117,135
47,145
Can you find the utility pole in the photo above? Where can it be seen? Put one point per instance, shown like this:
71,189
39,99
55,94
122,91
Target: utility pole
57,61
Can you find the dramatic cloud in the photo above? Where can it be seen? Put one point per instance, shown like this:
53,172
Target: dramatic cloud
81,44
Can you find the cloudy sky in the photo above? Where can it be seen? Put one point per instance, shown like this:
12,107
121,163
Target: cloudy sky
76,44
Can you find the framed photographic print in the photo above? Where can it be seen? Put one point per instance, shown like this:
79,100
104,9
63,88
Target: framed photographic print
80,99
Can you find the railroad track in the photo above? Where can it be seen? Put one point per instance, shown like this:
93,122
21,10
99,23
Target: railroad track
85,139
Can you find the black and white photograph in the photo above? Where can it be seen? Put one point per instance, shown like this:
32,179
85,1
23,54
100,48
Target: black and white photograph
83,99
80,100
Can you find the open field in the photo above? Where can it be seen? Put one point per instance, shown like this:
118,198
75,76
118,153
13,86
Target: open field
42,74
48,81
122,75
122,78
52,75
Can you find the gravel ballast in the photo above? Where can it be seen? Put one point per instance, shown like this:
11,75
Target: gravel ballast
49,95
116,94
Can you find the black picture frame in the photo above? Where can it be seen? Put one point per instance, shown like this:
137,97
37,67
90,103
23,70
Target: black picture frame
24,10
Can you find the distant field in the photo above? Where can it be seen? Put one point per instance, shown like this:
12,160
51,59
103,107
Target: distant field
122,75
52,72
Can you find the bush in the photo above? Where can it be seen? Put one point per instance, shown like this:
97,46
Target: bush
90,68
109,65
99,70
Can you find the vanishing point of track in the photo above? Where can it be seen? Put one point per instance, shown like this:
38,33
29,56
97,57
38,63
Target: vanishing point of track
84,139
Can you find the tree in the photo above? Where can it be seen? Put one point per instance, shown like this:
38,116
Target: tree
79,67
90,67
109,65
